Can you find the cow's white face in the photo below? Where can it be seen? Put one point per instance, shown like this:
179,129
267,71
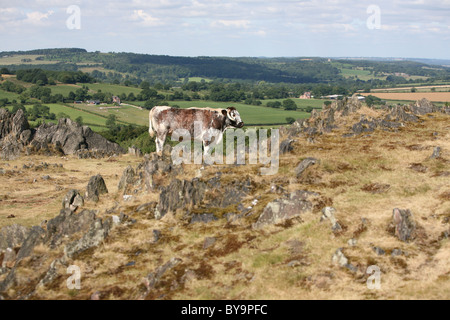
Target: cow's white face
235,118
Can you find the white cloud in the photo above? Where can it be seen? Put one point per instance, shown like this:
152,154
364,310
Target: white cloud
240,24
145,19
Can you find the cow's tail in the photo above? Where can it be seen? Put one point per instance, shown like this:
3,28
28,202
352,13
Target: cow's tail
150,124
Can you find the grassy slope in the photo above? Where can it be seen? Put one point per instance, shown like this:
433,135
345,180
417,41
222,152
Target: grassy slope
249,264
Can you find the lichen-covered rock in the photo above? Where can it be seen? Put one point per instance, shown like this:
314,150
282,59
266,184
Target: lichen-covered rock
72,200
12,236
95,188
404,224
304,164
287,207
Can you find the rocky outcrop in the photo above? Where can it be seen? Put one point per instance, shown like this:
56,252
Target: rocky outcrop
73,137
66,137
326,120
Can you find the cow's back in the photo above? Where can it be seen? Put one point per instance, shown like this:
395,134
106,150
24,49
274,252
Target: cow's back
170,119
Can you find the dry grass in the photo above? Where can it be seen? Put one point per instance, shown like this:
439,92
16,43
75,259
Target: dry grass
287,261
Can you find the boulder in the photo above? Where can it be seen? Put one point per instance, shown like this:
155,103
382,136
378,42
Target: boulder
304,164
422,107
72,200
95,188
404,224
287,207
328,213
73,137
12,236
286,146
97,232
436,153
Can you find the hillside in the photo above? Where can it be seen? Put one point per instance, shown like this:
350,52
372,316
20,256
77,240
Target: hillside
132,67
356,187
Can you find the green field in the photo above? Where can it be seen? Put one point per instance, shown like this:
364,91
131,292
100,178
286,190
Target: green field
251,115
9,95
17,59
95,122
113,88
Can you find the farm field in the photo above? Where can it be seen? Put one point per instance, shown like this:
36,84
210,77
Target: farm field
17,59
438,88
412,96
96,123
251,115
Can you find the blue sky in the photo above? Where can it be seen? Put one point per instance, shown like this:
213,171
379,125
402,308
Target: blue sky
331,28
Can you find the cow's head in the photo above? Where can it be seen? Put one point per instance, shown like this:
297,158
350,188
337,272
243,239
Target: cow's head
233,117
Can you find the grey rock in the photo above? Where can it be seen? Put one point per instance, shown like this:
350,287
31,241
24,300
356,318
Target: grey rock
68,223
204,218
153,279
341,260
13,236
436,153
35,237
55,270
328,213
423,107
95,188
404,224
9,258
286,146
72,200
208,242
135,151
127,178
287,207
379,251
305,164
98,232
73,137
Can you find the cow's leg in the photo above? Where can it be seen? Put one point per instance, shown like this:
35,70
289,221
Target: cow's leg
160,139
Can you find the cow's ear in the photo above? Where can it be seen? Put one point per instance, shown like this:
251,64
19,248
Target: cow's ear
224,112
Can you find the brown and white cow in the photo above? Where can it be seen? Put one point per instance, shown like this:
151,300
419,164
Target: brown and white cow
165,120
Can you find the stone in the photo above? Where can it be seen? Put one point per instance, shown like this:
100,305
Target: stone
341,260
156,235
95,188
72,137
284,208
134,151
208,242
436,153
127,177
204,218
67,223
13,236
152,280
72,200
35,237
98,232
404,224
422,107
286,146
9,258
379,251
303,165
352,242
328,213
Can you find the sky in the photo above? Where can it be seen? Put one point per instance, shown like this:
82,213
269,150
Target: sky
256,28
